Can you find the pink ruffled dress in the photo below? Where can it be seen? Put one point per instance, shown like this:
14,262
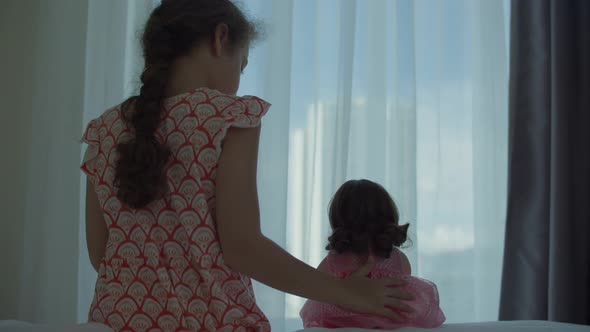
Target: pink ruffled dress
428,313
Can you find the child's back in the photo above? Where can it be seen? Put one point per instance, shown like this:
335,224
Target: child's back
426,303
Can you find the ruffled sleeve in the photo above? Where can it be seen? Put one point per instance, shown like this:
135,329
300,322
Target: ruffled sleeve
91,137
246,112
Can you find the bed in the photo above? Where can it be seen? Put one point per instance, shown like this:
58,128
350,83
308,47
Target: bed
507,326
513,326
16,326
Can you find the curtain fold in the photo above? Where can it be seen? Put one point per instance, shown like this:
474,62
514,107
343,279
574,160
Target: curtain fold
17,76
547,256
79,59
489,152
47,246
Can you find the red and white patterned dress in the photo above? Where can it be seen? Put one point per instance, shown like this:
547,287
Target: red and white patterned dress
163,268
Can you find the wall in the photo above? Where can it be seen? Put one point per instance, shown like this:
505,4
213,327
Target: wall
63,62
16,36
42,83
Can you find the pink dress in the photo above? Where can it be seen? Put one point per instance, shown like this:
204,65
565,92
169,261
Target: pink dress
427,311
163,268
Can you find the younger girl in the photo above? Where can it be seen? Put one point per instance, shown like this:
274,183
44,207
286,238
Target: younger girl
172,219
365,223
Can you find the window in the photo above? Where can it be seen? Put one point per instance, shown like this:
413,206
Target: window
412,94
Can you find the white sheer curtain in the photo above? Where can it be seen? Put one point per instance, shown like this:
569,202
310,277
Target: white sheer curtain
43,57
412,94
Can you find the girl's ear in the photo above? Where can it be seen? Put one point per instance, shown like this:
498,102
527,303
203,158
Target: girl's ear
220,39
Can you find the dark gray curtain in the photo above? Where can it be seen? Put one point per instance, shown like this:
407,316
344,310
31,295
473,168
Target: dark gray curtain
546,272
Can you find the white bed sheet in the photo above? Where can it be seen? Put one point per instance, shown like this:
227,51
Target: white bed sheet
16,326
505,326
512,326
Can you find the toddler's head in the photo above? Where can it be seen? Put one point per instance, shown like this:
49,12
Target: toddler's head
365,220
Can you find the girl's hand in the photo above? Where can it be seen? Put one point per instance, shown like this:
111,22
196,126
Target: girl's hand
378,297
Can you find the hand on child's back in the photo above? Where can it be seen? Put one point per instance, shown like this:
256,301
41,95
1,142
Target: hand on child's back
380,297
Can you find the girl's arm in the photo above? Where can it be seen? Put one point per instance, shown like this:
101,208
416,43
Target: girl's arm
249,252
96,228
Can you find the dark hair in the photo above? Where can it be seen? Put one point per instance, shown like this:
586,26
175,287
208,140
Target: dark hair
173,29
365,220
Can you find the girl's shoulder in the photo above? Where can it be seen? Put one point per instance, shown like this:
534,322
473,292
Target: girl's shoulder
109,123
239,111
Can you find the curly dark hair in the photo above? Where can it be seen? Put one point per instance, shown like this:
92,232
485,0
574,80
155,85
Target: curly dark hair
365,220
174,28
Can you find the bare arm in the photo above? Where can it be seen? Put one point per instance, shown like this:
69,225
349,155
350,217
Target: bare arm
96,229
249,252
245,249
